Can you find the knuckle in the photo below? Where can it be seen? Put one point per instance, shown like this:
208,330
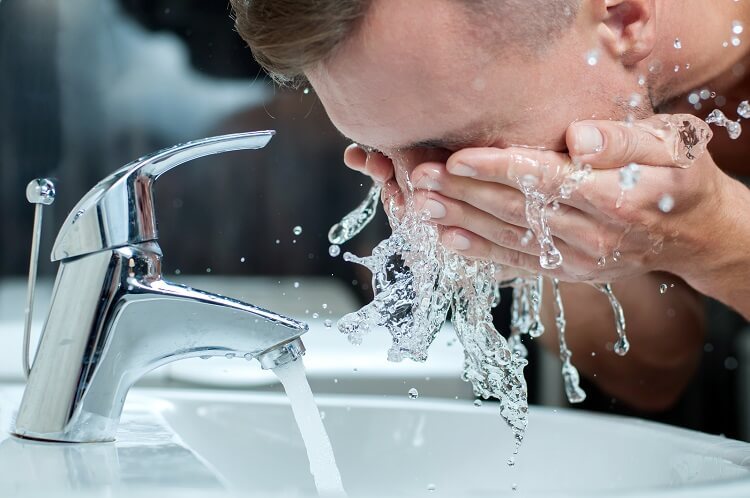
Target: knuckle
626,145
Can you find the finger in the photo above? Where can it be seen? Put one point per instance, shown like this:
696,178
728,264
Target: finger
452,213
392,199
379,167
355,157
662,140
508,166
473,246
504,202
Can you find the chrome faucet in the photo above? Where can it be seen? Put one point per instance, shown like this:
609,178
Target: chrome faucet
113,317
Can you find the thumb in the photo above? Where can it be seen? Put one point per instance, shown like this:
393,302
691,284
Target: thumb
661,140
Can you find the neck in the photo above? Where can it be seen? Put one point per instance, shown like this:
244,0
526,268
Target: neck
703,27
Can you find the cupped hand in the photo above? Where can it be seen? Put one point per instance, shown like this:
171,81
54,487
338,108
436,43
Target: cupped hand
604,232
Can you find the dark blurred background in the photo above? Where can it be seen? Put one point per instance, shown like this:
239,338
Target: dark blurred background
89,85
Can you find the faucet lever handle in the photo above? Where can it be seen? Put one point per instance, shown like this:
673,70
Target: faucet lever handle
119,210
40,192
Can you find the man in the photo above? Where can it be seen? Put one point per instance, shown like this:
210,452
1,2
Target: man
460,92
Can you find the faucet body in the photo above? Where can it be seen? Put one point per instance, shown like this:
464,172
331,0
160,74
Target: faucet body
113,318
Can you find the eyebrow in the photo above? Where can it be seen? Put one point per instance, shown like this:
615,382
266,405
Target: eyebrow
452,141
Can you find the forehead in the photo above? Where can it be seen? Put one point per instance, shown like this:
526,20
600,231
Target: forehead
409,78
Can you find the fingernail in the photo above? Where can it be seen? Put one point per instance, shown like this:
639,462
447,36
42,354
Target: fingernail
589,140
458,242
427,183
435,208
461,169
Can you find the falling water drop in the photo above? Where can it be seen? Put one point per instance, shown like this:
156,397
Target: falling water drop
413,393
334,250
571,378
663,288
622,345
677,43
297,230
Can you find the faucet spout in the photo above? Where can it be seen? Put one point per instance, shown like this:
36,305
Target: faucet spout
138,322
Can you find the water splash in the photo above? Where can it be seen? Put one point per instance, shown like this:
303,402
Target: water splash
357,220
416,282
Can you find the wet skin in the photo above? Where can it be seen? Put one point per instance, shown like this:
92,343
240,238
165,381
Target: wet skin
436,99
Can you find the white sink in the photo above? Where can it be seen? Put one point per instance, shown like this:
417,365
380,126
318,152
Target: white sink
204,442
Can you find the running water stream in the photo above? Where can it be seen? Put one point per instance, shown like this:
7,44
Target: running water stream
319,451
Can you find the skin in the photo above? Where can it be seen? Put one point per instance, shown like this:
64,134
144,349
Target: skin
434,97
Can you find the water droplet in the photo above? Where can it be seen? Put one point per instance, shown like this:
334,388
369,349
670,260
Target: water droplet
322,415
306,91
335,381
744,109
327,323
296,285
731,363
666,203
736,41
629,176
663,288
734,128
601,262
178,271
526,239
315,315
694,98
592,57
242,259
297,230
477,402
705,94
677,43
229,356
278,241
208,270
413,393
205,357
324,306
641,80
511,461
635,100
431,487
514,487
737,27
334,250
616,255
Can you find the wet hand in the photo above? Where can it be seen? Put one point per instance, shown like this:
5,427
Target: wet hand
611,226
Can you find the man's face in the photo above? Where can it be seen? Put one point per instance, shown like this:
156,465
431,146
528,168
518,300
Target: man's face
420,74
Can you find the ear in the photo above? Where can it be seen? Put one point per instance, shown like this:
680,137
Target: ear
627,28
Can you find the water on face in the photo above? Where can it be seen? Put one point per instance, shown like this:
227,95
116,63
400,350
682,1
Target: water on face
319,451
